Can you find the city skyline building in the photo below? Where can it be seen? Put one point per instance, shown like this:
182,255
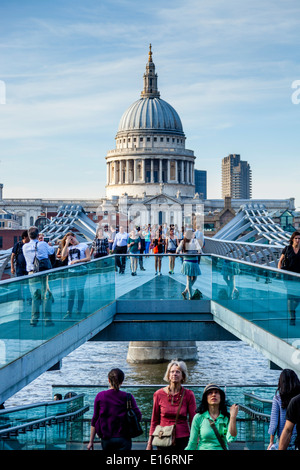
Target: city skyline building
201,183
236,178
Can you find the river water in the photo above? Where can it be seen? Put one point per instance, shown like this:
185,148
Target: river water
225,363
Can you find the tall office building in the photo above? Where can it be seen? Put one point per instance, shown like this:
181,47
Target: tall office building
201,183
236,178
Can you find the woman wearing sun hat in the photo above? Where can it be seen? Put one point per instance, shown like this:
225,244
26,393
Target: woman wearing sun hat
213,427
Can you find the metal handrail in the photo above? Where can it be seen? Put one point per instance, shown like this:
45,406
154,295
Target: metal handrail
39,404
206,255
255,414
50,420
262,267
262,400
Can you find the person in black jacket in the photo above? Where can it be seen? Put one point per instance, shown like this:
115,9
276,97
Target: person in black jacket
18,262
290,261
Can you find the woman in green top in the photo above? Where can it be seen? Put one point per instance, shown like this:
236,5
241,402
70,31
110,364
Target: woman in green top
134,246
212,413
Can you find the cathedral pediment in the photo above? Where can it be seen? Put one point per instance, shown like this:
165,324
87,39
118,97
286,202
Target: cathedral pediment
161,199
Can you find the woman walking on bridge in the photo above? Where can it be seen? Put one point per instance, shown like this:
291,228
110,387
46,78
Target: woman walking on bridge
158,248
290,261
109,420
190,247
76,253
171,246
288,387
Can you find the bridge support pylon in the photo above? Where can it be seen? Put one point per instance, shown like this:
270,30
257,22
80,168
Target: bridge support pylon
153,352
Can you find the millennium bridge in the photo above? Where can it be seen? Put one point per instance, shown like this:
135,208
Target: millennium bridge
240,301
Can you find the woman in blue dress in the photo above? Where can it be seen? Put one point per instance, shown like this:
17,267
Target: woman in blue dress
190,247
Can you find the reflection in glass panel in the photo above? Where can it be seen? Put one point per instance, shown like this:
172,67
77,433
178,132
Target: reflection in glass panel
267,297
35,308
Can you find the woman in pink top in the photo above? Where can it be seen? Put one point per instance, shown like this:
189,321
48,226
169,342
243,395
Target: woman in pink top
166,402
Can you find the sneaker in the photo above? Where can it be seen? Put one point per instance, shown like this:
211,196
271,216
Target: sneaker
235,294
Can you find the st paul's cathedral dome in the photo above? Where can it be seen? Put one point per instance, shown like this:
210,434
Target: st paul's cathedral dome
150,148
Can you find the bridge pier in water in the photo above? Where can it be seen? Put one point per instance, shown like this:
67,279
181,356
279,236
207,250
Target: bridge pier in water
153,352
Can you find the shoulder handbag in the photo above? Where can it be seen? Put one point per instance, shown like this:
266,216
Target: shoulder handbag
285,261
134,426
221,441
164,436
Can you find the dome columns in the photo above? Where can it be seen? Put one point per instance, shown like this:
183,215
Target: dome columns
143,170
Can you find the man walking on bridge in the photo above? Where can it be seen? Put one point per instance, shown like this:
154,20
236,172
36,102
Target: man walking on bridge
38,285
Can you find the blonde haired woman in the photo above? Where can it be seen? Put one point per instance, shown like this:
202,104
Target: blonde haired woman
77,253
166,402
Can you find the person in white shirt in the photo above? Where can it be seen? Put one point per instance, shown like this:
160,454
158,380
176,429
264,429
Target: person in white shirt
120,247
77,253
40,249
38,285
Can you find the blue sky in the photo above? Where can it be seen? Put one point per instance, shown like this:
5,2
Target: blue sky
71,68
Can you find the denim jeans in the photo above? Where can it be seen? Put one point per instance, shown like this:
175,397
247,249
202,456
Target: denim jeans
41,299
121,260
